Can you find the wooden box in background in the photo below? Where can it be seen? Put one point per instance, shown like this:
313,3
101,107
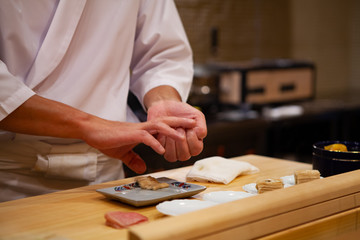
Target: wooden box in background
261,83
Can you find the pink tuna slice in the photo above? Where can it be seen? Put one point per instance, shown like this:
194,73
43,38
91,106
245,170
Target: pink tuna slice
120,220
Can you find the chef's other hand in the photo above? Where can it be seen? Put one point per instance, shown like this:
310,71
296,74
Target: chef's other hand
192,144
117,139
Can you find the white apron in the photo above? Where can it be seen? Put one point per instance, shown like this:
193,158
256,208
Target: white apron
30,167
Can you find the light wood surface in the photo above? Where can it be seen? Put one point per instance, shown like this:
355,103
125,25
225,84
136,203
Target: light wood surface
344,225
79,213
267,214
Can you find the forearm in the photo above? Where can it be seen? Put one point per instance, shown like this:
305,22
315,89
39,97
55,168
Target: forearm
41,116
161,93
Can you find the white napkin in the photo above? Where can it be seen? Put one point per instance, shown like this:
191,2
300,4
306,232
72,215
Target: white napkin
79,166
219,170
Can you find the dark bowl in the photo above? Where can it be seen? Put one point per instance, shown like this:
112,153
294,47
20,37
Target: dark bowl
335,162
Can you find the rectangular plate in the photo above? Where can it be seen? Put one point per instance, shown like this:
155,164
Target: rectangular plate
134,195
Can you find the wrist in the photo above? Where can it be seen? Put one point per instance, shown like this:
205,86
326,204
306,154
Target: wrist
161,94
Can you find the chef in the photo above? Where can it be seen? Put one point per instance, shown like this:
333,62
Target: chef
65,72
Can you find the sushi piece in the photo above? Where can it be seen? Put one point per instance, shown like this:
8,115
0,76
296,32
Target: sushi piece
150,183
302,176
119,220
268,184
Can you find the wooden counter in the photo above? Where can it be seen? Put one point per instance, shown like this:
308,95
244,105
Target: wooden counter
79,213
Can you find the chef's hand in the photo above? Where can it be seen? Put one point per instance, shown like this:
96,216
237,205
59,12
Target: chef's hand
45,117
192,144
117,139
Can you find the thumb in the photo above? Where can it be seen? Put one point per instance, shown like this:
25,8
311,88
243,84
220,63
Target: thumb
134,162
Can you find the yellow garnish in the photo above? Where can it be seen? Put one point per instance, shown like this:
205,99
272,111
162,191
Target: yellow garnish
336,147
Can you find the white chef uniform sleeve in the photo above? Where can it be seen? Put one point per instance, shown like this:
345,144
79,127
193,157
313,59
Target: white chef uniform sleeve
162,54
13,92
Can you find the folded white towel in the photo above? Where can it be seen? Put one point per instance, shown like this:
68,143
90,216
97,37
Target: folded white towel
79,166
219,170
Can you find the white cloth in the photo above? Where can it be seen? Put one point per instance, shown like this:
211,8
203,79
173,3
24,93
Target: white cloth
87,54
219,170
80,166
29,168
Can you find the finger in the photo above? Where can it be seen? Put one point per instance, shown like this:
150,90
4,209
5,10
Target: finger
170,150
195,144
162,128
162,139
177,122
201,128
182,149
134,162
149,140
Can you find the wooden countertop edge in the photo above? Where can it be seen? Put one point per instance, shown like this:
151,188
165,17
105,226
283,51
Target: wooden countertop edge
340,192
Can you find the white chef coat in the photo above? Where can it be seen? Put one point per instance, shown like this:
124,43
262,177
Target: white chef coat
87,54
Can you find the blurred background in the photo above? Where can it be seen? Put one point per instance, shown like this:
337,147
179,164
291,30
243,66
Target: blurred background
272,76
